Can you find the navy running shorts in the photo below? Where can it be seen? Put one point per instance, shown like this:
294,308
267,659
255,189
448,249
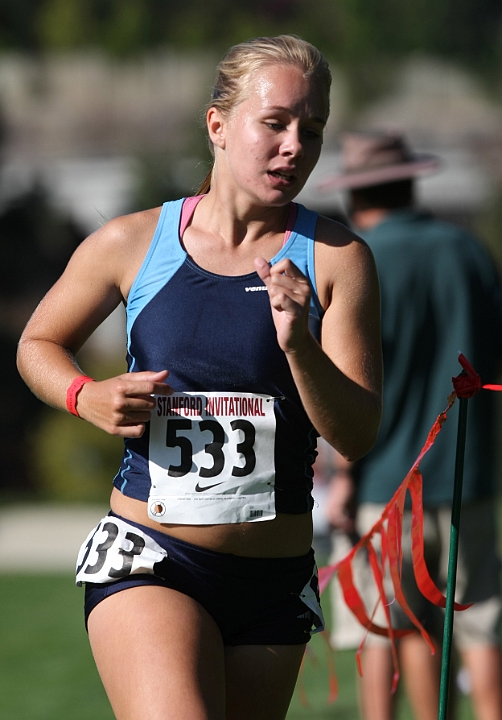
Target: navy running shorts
254,601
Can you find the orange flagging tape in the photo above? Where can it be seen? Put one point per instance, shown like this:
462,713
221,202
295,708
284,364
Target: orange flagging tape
389,529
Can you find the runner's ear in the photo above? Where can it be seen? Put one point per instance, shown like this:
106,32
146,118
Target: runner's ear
216,127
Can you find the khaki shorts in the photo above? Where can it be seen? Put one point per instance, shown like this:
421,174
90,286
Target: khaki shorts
478,572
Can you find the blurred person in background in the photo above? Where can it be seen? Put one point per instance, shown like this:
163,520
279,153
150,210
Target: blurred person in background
252,323
440,294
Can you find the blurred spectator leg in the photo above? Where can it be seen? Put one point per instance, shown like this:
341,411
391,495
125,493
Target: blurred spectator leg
484,665
376,700
421,673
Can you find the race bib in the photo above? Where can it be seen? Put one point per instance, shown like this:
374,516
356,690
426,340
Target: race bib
211,458
116,549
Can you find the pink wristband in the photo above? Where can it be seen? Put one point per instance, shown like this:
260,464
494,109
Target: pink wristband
73,391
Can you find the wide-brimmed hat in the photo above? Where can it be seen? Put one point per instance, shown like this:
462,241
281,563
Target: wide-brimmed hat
376,158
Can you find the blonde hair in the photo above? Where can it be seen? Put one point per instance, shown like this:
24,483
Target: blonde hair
244,59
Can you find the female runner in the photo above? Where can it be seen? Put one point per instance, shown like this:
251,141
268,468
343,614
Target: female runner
245,340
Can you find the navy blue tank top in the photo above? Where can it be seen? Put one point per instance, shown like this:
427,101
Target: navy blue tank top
216,333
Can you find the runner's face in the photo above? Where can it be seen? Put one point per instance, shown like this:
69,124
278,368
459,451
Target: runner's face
273,138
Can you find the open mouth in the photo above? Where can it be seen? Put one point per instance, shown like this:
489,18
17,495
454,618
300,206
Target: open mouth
282,175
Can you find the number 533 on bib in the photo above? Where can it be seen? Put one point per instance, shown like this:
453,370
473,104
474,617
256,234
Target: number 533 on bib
211,458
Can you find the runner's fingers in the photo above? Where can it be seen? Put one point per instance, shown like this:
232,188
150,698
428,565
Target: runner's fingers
298,284
131,387
133,410
262,267
290,295
145,375
131,430
299,295
134,418
127,415
281,271
286,268
136,402
285,303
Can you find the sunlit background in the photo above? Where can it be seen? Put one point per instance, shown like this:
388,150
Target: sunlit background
101,105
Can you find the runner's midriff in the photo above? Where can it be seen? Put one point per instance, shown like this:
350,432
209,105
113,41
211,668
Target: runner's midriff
288,535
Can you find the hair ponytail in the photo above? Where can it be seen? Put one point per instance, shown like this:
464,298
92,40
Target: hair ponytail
205,185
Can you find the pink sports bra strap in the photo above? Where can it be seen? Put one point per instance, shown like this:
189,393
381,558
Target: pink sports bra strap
190,203
188,209
293,212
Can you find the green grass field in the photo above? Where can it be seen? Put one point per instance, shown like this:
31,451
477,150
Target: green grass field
47,671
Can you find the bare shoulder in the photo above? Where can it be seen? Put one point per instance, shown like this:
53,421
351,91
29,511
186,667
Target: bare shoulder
343,260
134,229
120,245
333,234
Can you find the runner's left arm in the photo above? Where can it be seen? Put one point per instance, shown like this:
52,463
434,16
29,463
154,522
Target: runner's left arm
340,378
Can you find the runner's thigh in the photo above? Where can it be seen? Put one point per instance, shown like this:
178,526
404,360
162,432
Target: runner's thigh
261,680
159,655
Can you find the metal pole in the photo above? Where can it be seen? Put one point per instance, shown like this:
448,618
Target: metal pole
452,560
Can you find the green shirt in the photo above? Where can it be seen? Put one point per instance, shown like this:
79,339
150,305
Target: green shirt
440,295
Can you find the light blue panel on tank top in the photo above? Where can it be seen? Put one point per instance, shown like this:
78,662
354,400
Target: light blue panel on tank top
164,257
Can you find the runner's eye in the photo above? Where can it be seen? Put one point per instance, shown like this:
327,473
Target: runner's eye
312,132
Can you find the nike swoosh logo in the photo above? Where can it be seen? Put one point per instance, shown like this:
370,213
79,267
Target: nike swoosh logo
198,488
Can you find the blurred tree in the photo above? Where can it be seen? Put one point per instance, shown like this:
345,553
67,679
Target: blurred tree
159,180
352,32
359,33
166,176
65,24
127,29
367,38
35,244
18,27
